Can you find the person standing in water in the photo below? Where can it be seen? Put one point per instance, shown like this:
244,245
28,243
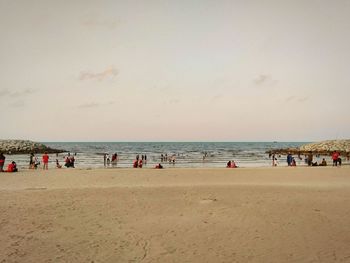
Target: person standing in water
46,161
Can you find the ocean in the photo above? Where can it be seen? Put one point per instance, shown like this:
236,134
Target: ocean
186,154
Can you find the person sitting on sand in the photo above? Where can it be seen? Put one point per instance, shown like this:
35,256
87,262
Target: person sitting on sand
158,166
294,163
233,164
72,160
58,164
36,162
140,163
69,161
12,167
323,163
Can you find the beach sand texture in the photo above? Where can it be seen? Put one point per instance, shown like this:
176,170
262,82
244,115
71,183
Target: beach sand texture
176,215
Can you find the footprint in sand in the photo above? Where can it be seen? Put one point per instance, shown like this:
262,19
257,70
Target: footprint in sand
208,200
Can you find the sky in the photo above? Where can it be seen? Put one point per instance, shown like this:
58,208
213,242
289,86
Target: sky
175,70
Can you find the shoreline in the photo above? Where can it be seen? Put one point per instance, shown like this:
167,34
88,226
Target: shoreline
121,177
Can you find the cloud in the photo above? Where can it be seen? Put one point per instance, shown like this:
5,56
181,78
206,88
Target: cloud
89,105
17,93
290,98
93,21
297,99
217,97
95,104
110,72
303,99
4,92
174,101
264,80
17,104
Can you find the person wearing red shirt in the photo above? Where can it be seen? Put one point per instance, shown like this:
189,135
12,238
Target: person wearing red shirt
335,158
12,167
46,161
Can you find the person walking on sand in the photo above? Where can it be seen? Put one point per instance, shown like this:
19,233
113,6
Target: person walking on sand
114,159
31,161
2,162
274,160
289,159
274,163
45,161
309,159
105,159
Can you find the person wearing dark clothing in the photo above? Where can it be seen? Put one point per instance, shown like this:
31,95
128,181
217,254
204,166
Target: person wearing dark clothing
2,162
309,159
289,159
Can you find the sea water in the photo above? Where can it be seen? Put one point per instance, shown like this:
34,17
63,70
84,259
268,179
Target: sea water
185,154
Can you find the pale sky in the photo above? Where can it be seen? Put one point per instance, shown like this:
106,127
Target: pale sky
175,70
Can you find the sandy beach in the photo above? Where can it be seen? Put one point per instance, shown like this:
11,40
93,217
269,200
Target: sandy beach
176,215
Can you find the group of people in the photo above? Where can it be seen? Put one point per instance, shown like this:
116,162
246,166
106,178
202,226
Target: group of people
138,162
69,161
231,164
309,160
166,158
34,162
291,160
107,161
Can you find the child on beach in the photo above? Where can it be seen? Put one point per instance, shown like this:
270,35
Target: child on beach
58,164
293,162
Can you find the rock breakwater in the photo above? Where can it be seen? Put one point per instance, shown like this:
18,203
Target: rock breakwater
24,147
